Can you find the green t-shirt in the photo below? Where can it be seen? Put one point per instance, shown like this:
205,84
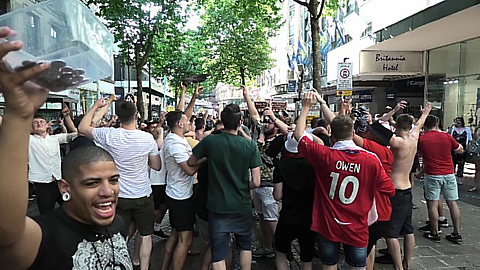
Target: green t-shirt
229,159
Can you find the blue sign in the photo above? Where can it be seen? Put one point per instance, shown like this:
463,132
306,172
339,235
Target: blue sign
292,86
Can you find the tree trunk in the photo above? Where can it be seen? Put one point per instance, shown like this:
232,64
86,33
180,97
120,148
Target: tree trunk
242,75
140,103
317,55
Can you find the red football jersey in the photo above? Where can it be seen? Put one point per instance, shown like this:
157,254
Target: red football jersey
347,178
384,207
436,148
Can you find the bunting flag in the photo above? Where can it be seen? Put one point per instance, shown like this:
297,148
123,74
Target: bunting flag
301,53
290,62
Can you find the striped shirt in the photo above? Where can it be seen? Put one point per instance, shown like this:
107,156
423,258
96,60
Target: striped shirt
130,150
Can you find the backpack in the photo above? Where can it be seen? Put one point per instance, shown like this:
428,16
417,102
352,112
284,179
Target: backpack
473,151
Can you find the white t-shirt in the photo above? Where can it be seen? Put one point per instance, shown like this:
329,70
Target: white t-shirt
44,159
179,184
158,177
130,150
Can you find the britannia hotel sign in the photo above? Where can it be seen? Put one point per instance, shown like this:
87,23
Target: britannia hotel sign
395,62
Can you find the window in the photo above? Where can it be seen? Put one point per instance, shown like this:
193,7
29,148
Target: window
292,13
31,21
290,42
367,31
53,33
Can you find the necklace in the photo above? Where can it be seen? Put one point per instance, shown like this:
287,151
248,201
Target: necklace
111,263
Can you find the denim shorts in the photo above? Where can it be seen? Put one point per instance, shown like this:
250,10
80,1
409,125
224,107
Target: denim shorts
330,253
447,184
222,225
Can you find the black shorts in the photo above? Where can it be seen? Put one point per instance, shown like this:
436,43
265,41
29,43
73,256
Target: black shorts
140,210
287,231
159,195
181,213
401,220
375,232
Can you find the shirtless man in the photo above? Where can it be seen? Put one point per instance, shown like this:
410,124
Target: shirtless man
404,148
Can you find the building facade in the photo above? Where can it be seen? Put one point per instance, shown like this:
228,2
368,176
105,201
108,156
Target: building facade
413,50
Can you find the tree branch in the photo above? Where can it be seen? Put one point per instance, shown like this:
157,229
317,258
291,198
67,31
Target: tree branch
305,4
321,10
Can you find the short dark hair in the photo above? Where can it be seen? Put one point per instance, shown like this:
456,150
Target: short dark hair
192,119
314,122
431,122
404,122
199,123
342,127
322,123
173,118
231,116
39,116
462,121
126,112
81,156
218,123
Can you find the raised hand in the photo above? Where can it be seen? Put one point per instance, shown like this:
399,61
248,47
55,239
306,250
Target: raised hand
309,99
101,103
244,90
22,97
268,112
198,91
184,87
427,108
401,105
66,110
345,106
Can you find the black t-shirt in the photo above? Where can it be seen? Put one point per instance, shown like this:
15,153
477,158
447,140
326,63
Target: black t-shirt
69,244
81,141
298,180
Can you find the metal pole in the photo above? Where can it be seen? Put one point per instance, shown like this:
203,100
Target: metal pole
149,92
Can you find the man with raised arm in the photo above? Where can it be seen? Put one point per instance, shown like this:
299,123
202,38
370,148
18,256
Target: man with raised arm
133,151
85,232
44,160
404,148
347,178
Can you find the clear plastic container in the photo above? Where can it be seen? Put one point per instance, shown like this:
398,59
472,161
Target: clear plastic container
66,34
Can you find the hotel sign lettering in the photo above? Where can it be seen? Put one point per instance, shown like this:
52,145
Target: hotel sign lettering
390,62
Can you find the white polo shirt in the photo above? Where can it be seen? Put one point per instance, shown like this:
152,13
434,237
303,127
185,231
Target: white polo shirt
130,150
179,184
44,161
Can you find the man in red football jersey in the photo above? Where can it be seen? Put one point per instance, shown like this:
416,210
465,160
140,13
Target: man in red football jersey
347,178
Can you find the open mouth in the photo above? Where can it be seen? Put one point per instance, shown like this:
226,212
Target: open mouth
105,209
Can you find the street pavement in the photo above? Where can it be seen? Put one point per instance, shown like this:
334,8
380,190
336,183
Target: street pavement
428,255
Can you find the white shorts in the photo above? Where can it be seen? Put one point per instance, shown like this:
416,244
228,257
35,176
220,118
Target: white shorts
265,204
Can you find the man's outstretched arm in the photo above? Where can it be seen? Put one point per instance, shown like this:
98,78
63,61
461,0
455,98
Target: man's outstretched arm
20,236
85,126
251,106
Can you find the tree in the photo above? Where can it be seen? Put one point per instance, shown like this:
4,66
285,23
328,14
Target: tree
235,34
316,8
137,25
177,57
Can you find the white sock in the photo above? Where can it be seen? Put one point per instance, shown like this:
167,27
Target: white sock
441,218
157,227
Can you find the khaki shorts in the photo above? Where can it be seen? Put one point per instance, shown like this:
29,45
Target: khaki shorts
141,211
265,204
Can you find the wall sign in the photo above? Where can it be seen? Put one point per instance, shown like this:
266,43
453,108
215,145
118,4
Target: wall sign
391,62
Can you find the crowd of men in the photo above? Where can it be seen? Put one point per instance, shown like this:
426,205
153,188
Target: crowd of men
344,181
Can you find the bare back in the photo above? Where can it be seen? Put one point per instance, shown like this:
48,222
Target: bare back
404,151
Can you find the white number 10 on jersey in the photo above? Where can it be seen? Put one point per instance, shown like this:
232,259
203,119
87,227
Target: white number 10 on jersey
343,187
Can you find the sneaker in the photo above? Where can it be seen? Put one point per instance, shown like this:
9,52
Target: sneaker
433,237
161,234
455,238
384,259
384,251
263,253
427,229
441,223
